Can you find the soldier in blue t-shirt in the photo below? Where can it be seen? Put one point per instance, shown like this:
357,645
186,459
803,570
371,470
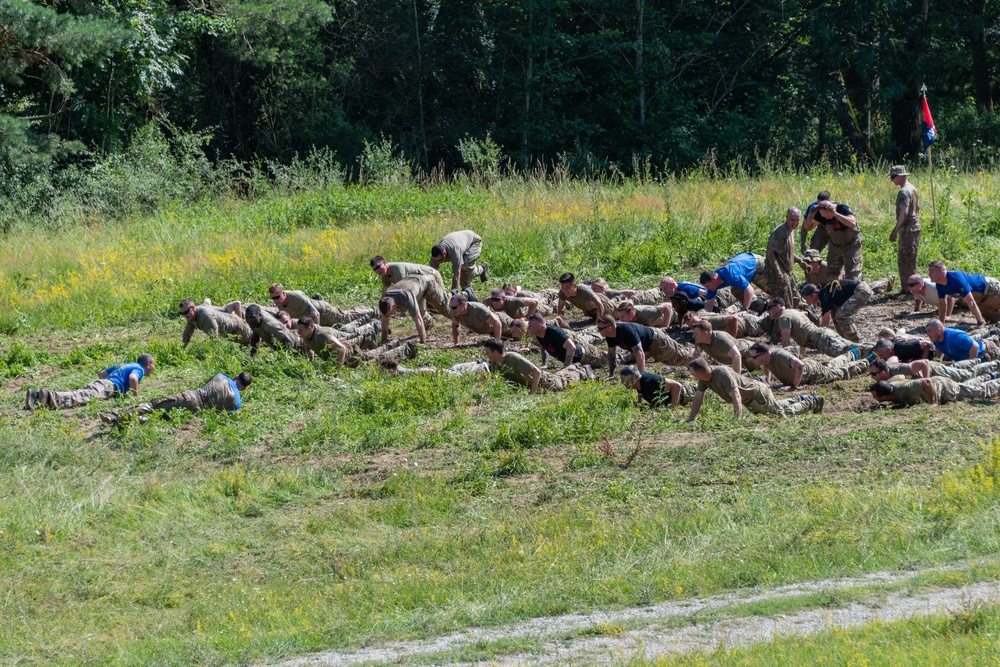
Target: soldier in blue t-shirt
110,381
980,293
958,345
737,274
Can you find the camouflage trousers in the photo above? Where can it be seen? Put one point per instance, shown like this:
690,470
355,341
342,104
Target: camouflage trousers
950,391
393,351
788,407
564,377
989,302
781,285
99,389
843,315
963,371
365,336
828,343
587,335
330,315
591,355
907,245
192,400
470,266
883,285
478,367
846,257
666,350
649,297
843,367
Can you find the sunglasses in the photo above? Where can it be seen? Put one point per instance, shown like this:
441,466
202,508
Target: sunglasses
185,312
874,373
912,284
496,298
275,297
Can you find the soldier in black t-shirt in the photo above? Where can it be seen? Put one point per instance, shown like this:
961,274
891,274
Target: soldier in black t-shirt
657,391
643,342
843,233
555,342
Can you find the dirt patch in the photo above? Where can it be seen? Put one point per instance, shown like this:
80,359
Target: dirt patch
673,627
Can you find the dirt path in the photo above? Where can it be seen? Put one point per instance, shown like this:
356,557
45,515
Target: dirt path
673,627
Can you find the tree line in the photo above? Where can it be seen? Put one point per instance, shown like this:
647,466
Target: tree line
587,83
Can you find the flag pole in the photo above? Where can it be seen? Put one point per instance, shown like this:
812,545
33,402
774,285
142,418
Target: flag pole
930,165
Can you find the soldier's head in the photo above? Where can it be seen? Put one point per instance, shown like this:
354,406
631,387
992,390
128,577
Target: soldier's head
775,307
814,259
387,306
700,369
824,203
811,294
379,265
518,328
567,284
702,332
882,391
498,298
916,284
438,253
792,217
710,279
536,325
147,362
254,315
494,350
626,310
878,370
459,303
630,377
188,309
824,195
606,326
243,380
285,318
937,271
760,353
599,285
305,327
278,295
681,303
668,286
884,349
935,331
689,319
898,175
510,289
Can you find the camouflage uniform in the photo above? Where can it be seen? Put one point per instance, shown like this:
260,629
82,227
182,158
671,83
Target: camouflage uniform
516,369
273,333
842,368
948,391
99,389
588,301
414,293
722,344
298,306
908,237
755,396
216,322
477,320
463,250
806,334
217,393
959,371
778,269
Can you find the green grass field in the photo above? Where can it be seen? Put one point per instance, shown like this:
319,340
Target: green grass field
338,509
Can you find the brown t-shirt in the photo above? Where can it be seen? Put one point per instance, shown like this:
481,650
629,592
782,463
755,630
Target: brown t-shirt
901,369
782,245
908,202
322,342
298,304
457,244
724,380
798,323
910,392
650,316
272,332
477,319
515,368
516,307
782,367
400,270
588,301
410,292
720,346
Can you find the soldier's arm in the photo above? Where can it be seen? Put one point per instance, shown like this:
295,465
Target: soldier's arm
497,326
825,320
313,314
536,377
799,370
341,352
929,389
974,308
675,389
254,344
737,403
951,305
640,358
786,337
808,225
918,303
133,383
921,368
732,323
748,295
900,220
188,332
710,305
532,305
943,310
103,374
570,348
418,320
386,283
385,328
696,402
454,332
561,305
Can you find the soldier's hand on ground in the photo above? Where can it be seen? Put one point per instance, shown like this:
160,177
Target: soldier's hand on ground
892,236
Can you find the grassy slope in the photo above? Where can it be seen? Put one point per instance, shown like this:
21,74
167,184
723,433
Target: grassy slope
335,509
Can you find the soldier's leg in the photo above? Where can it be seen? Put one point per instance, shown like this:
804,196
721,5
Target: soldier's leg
389,352
589,335
668,351
963,391
364,336
549,382
337,316
572,373
985,368
592,356
830,343
98,389
989,303
843,317
883,285
190,400
853,261
836,373
478,367
908,243
800,405
834,261
990,389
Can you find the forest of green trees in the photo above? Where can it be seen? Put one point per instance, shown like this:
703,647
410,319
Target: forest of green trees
587,84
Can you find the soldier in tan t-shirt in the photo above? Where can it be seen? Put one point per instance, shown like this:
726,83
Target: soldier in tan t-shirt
658,316
722,347
518,370
412,295
794,372
934,390
796,326
742,391
592,304
477,318
907,230
214,322
517,307
297,304
780,258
